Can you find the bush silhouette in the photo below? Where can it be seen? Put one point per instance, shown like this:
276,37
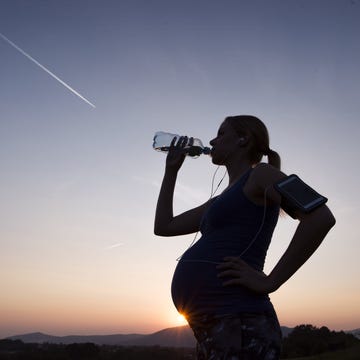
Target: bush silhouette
307,340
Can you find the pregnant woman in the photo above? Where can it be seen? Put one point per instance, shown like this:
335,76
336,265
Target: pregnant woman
219,284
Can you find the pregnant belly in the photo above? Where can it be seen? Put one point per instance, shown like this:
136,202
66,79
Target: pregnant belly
197,290
195,284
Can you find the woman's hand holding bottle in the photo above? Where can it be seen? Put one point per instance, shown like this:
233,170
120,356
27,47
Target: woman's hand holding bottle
177,152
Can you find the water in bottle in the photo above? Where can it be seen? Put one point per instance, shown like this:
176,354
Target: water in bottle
162,141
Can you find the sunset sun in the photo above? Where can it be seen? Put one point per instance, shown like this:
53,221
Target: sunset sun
181,319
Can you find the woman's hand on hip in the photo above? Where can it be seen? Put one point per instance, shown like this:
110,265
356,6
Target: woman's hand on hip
234,271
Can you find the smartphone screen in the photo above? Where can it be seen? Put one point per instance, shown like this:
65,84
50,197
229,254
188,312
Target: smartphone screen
295,190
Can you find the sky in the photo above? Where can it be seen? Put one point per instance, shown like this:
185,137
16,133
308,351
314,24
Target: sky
79,183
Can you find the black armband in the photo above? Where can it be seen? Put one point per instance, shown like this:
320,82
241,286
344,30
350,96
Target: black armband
298,196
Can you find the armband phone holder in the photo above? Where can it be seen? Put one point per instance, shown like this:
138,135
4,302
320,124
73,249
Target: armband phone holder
298,196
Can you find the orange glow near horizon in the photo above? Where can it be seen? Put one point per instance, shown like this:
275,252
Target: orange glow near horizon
75,320
181,319
105,309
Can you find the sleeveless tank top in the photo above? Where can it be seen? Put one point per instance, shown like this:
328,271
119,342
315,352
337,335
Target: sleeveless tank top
228,228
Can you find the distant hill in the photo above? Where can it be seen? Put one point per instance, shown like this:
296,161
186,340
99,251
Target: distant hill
116,339
180,336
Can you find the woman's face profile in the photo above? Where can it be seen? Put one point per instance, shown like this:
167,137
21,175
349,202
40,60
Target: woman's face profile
224,144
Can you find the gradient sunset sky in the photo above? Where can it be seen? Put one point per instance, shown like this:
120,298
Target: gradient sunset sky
79,184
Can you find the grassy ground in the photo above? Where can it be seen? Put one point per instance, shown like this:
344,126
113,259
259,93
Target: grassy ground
348,354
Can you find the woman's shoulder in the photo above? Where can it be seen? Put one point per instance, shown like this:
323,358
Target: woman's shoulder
265,168
264,175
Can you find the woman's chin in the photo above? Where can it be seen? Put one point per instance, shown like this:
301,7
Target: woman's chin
215,161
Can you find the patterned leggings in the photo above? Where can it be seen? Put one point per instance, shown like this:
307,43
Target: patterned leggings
247,336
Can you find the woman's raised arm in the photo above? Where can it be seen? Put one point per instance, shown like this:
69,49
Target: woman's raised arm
165,222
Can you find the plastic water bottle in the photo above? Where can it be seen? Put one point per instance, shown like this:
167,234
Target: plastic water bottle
162,141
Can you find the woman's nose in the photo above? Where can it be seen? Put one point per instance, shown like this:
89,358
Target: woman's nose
212,142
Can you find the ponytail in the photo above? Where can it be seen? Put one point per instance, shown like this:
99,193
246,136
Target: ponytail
273,158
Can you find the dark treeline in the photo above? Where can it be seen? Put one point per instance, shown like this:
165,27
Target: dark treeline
304,340
17,350
307,340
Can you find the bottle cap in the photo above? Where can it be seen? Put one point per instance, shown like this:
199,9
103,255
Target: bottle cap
206,150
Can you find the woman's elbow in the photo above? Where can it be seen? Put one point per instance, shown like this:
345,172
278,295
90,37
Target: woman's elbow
325,217
160,231
321,218
331,221
328,218
157,231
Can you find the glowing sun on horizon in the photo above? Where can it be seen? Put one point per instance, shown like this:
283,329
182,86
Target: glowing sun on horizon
181,319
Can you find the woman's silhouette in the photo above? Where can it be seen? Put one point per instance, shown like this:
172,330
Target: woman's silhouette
219,284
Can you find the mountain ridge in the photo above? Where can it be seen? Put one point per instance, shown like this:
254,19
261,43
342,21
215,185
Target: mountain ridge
179,336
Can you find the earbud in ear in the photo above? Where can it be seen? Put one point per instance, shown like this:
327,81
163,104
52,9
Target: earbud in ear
241,141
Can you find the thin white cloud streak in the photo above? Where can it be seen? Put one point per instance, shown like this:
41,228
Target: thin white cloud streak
46,70
113,246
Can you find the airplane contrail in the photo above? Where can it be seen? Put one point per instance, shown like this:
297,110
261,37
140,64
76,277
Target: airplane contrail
45,69
113,246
